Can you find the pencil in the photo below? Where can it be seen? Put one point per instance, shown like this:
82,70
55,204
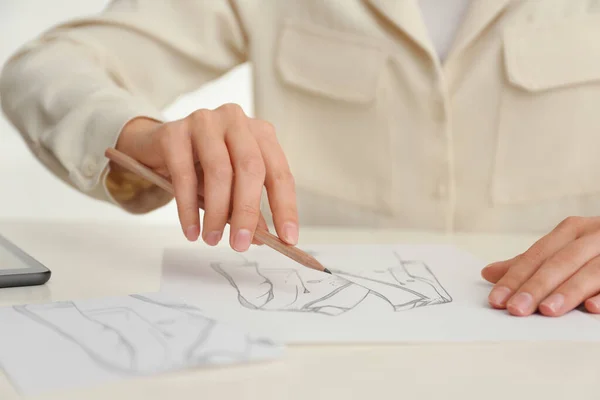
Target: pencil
262,235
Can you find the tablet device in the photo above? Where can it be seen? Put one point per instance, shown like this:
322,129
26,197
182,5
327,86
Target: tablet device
18,268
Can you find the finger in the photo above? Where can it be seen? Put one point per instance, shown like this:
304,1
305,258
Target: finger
552,273
593,304
584,284
527,263
279,182
200,177
177,149
262,223
249,172
495,271
216,171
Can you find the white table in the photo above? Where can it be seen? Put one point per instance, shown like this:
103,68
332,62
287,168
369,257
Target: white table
90,260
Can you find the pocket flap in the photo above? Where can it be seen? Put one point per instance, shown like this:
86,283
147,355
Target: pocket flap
553,55
329,63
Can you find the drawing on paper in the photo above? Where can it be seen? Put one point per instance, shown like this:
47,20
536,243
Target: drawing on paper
143,335
406,285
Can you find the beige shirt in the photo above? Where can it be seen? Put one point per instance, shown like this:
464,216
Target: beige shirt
503,136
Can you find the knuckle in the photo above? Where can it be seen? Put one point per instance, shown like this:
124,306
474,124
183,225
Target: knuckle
537,290
184,179
531,257
250,210
283,176
253,166
215,215
219,171
513,279
560,260
510,282
167,135
571,223
163,141
594,267
200,118
266,130
285,212
538,285
233,110
574,288
590,272
186,210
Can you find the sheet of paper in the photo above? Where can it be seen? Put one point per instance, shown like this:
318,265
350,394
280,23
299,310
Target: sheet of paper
377,293
70,344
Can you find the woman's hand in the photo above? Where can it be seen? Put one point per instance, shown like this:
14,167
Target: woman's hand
555,275
228,158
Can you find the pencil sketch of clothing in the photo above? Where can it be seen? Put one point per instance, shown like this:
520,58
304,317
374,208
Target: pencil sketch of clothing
291,290
140,335
409,284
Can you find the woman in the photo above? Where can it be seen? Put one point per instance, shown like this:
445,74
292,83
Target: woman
484,120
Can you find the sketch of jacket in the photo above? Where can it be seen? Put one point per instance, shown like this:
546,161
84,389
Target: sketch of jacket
140,335
405,286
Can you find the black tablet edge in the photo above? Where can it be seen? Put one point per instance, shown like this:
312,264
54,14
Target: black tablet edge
34,266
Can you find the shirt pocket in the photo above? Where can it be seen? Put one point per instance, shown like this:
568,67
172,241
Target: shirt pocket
549,117
333,107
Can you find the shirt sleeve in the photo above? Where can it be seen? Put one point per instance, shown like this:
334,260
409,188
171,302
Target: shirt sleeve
70,91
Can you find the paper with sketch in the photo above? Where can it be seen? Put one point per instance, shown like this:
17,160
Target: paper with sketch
76,343
376,294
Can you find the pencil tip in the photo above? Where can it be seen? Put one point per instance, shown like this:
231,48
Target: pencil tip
327,271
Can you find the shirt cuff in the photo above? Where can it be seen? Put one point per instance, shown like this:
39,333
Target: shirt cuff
132,193
104,126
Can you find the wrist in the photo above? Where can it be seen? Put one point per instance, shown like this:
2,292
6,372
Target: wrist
129,138
123,185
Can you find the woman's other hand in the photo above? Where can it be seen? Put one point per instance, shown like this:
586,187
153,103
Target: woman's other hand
555,275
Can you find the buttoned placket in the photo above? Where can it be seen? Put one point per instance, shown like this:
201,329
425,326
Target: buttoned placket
444,190
406,16
479,16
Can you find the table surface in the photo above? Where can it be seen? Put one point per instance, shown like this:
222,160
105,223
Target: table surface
127,259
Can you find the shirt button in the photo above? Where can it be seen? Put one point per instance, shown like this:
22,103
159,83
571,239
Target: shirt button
441,190
89,167
438,110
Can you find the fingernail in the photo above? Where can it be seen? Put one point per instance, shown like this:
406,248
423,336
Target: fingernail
192,232
554,302
242,240
213,238
520,304
593,303
290,233
499,296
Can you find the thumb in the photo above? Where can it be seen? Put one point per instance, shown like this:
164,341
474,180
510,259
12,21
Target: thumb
495,271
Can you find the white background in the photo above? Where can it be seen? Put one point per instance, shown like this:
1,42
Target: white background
27,189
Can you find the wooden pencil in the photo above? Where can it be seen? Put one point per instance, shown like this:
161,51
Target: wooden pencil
261,235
